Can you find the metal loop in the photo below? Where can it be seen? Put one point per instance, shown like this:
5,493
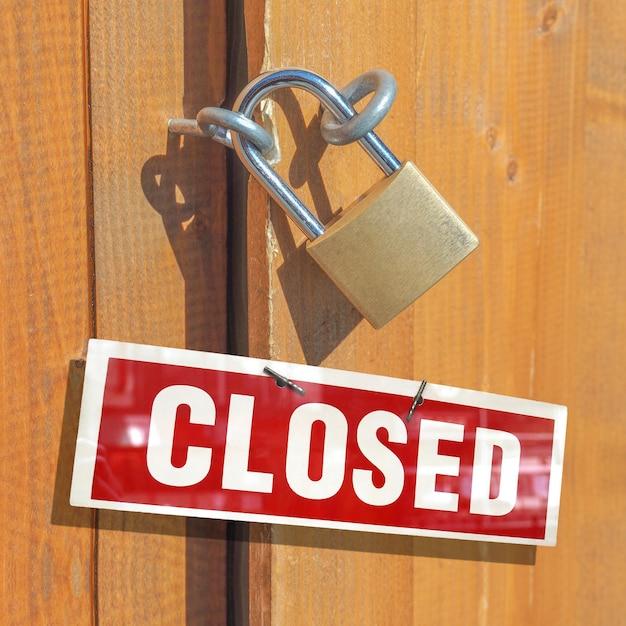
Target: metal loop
333,100
223,119
217,123
383,84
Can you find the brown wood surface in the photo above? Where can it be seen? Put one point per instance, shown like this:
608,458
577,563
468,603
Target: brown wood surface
160,255
516,112
46,547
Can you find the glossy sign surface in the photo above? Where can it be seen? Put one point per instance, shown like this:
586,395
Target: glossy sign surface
198,434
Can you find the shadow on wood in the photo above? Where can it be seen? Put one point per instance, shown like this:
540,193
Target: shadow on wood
404,545
62,513
190,200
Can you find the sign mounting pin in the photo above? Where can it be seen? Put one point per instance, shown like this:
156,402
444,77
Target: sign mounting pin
281,381
418,400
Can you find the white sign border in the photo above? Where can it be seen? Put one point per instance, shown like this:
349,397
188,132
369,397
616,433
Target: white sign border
101,350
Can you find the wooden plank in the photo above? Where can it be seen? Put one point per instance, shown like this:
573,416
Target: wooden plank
45,545
516,113
160,237
587,348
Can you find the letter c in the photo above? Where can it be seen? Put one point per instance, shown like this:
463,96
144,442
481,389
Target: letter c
161,435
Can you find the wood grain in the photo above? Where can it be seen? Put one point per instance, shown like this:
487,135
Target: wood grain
46,547
516,113
160,242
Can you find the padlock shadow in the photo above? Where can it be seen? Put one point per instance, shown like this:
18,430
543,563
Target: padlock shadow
191,204
322,316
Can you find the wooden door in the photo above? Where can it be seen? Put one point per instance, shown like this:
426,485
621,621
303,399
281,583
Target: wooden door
515,111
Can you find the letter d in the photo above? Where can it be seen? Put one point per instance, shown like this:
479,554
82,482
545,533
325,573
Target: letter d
480,502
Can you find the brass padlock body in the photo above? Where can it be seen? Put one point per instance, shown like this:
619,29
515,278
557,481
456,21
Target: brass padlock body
392,244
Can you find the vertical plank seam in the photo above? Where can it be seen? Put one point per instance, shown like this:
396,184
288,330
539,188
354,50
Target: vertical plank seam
94,572
91,261
256,36
89,164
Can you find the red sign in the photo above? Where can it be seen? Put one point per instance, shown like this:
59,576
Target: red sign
211,435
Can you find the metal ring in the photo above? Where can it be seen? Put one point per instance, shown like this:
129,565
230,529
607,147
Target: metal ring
383,84
218,123
332,99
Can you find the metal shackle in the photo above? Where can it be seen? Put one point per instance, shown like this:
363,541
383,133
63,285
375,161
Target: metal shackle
379,82
335,102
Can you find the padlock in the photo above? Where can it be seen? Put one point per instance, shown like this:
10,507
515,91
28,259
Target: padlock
389,246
